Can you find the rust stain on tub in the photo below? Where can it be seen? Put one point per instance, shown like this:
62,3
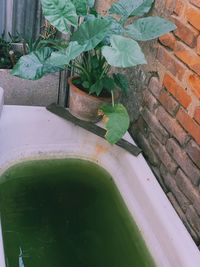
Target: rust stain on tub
99,151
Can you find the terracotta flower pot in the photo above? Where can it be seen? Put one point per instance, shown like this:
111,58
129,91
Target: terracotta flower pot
85,106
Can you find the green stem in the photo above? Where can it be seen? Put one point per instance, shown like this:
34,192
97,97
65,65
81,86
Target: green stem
113,99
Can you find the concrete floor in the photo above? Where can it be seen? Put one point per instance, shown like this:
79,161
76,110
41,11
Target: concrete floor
30,93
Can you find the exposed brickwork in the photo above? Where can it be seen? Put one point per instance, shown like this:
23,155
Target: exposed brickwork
194,83
170,113
169,103
193,16
169,123
185,32
168,40
188,56
197,114
176,90
183,161
189,125
193,151
170,62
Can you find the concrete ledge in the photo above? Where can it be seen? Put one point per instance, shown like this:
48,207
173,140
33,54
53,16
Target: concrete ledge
1,100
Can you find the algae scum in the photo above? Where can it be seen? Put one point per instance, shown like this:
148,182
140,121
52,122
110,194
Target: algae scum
67,213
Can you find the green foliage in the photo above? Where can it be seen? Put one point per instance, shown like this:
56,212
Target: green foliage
123,52
125,8
143,8
35,65
60,13
91,33
8,57
149,28
95,44
117,121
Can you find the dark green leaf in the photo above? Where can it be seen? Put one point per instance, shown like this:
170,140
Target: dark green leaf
124,52
143,9
62,58
96,88
118,122
81,6
149,28
91,33
86,84
108,84
122,82
60,13
125,8
35,65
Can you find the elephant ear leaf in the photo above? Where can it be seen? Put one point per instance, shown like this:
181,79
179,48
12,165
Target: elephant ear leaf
91,33
117,121
35,65
149,28
143,8
123,52
62,58
81,7
60,13
91,3
125,8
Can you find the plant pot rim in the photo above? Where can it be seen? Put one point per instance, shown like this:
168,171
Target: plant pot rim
83,93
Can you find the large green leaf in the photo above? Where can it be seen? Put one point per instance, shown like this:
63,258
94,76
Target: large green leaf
91,3
60,13
149,28
125,7
81,6
35,65
118,121
62,58
143,9
91,33
124,52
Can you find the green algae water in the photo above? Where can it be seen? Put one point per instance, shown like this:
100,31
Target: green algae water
67,213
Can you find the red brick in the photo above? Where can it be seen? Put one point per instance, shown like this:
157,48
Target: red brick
189,125
188,56
193,151
195,2
171,185
170,62
177,91
188,189
197,115
182,159
155,125
172,126
198,45
168,40
169,103
155,86
185,32
193,16
179,7
194,83
150,101
163,155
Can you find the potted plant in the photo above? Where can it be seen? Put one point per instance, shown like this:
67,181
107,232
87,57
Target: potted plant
25,92
95,44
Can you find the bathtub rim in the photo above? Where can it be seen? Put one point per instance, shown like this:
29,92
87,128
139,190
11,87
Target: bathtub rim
117,153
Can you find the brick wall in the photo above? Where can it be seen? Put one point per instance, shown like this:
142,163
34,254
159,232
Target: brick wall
168,128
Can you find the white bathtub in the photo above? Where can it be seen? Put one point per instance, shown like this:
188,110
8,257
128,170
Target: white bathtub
34,133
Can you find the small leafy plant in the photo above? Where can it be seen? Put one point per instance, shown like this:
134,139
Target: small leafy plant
95,44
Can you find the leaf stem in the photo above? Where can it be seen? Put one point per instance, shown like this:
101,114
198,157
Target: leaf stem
113,99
